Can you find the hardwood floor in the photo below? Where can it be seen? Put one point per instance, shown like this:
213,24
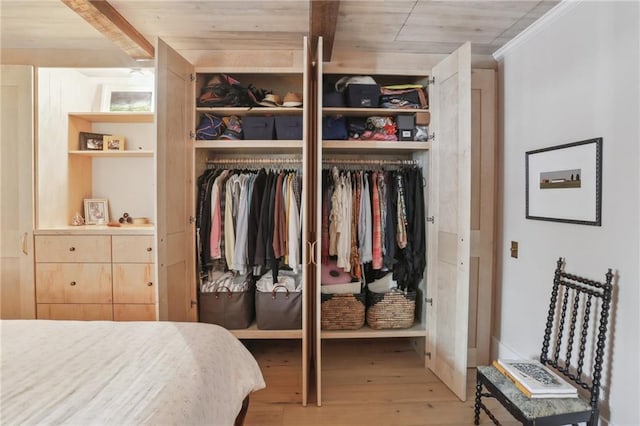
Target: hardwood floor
365,382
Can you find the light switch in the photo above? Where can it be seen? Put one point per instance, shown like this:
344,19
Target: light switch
514,249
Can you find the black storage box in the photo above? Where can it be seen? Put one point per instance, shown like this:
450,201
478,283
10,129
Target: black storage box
333,99
406,127
258,128
363,95
289,127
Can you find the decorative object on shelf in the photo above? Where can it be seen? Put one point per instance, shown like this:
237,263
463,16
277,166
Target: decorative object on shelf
564,183
96,211
113,143
127,98
91,141
125,218
77,220
140,221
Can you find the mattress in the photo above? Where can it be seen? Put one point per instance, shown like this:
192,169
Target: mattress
117,373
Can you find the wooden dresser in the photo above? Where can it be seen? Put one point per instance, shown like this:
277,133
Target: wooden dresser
95,277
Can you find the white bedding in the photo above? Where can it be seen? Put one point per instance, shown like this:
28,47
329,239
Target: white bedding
117,373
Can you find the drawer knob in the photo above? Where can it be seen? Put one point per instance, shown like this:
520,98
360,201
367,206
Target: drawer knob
72,249
72,283
149,249
149,284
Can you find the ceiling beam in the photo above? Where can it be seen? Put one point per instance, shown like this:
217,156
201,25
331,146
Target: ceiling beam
106,19
323,19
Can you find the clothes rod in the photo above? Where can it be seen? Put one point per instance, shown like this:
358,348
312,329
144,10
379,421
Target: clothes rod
255,161
369,161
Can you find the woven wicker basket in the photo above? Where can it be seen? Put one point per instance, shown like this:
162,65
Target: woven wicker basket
342,311
394,309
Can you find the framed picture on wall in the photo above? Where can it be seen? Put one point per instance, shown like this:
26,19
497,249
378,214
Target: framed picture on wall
96,211
127,98
564,183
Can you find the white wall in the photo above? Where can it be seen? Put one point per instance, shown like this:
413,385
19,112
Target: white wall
576,77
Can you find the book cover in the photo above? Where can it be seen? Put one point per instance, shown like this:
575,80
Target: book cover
535,380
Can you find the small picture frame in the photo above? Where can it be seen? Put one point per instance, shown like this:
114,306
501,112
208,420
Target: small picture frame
96,211
91,141
113,143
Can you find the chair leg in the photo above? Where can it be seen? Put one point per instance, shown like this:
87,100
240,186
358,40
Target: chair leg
476,410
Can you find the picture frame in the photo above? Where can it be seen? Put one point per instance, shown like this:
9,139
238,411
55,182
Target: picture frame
113,143
564,183
96,211
127,98
91,141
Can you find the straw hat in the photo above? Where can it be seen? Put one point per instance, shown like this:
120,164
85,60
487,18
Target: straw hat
271,100
292,100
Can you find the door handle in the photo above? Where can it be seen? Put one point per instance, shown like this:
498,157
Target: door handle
312,252
25,243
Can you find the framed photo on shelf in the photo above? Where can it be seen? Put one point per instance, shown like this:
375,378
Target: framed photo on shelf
91,141
113,143
127,98
96,211
564,183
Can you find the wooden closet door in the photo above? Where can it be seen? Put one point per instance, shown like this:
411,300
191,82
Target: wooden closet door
174,115
448,235
16,241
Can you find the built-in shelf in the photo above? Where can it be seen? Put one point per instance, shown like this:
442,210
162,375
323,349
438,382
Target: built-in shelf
113,153
241,111
269,145
115,117
370,111
352,145
254,333
417,330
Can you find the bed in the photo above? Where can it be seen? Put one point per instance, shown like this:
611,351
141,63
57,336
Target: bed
117,373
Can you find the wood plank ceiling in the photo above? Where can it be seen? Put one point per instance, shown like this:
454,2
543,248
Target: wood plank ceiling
198,28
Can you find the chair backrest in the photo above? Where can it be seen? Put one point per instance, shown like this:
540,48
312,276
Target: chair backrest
572,327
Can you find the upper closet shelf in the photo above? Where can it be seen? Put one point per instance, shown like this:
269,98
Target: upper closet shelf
241,111
370,111
357,145
270,145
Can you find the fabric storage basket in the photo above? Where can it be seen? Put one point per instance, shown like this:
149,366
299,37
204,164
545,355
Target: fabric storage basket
231,310
393,309
258,128
289,127
342,311
279,310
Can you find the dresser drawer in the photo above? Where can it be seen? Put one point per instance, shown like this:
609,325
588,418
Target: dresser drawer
73,248
134,283
74,311
73,283
134,312
133,248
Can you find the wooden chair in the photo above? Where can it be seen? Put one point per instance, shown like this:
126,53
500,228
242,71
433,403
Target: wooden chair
569,330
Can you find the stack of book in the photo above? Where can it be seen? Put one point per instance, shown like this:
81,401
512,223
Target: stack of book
534,379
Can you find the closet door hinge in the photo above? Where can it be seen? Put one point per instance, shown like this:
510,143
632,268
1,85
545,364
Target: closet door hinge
431,137
431,219
431,80
428,355
192,77
194,303
192,220
429,300
192,135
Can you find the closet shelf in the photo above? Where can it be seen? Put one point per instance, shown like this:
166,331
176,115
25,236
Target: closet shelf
241,111
417,330
114,153
267,145
370,111
254,333
338,145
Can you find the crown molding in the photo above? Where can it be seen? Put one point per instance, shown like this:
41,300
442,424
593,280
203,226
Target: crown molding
532,30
